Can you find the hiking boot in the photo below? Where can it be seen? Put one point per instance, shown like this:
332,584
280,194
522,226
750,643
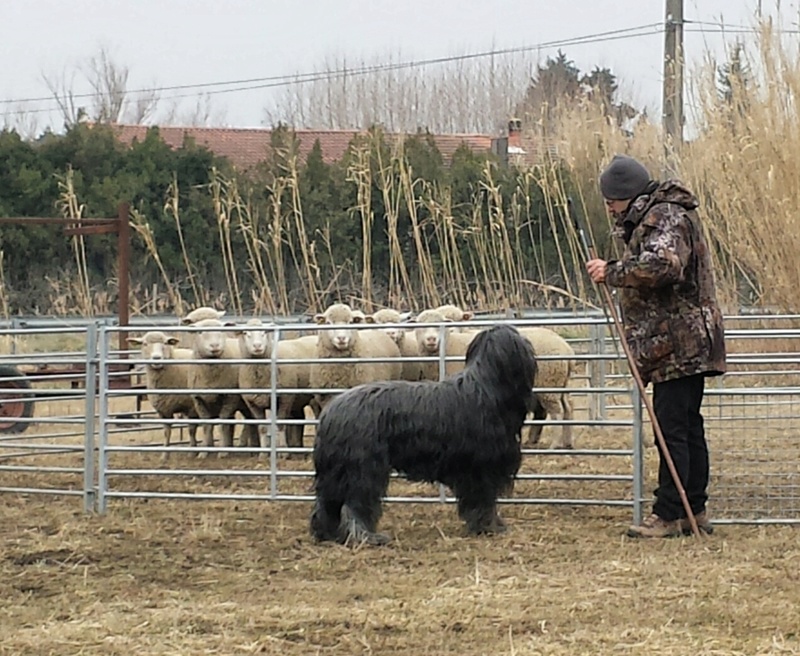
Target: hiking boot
655,527
703,523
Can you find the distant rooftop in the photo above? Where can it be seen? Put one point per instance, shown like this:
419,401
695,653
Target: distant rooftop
247,147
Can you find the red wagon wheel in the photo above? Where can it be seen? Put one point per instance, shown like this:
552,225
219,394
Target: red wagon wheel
14,406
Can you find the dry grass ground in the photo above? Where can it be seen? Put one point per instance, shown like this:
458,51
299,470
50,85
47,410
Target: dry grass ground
220,578
168,576
236,577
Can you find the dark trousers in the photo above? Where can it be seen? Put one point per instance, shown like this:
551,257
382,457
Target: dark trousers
677,407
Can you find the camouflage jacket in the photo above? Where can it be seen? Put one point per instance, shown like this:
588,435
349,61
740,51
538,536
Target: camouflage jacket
673,324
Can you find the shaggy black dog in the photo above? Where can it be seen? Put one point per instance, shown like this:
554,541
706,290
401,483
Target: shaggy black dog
462,432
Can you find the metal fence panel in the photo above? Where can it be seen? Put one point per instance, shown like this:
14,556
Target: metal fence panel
90,437
47,434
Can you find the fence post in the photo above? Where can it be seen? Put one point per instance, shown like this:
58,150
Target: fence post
102,417
597,408
442,376
90,385
273,415
638,455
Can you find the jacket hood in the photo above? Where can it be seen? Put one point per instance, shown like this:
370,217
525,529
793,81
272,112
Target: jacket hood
670,191
674,191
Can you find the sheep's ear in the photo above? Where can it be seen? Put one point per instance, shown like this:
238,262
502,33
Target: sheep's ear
172,341
135,341
467,316
220,314
319,318
406,316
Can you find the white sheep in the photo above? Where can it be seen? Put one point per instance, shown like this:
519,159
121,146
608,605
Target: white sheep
404,338
256,344
347,342
167,374
456,314
249,434
213,345
201,313
306,349
552,374
427,336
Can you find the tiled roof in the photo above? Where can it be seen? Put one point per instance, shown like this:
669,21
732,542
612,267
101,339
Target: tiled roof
246,147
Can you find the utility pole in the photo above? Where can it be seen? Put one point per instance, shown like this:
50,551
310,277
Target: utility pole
672,95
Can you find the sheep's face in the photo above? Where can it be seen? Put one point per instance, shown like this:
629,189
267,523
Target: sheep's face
155,346
340,338
396,334
256,343
389,316
210,343
428,336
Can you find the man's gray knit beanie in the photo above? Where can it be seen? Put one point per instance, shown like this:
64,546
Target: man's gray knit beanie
623,178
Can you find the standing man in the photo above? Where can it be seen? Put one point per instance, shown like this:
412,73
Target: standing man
673,325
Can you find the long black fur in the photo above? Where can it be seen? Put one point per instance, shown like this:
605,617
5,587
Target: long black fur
462,432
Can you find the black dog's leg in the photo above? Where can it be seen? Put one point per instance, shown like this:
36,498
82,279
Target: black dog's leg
360,521
326,519
478,508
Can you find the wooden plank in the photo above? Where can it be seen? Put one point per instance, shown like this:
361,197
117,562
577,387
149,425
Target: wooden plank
53,220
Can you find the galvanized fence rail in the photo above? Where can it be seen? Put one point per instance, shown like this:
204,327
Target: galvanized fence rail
109,449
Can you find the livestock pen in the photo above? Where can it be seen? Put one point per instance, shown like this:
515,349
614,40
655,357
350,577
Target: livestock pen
214,555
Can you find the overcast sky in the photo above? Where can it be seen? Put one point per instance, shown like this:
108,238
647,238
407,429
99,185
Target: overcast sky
181,42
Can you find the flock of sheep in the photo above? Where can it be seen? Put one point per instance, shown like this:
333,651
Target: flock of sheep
229,372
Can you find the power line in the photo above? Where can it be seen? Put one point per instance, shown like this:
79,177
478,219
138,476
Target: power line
277,81
743,30
302,78
735,28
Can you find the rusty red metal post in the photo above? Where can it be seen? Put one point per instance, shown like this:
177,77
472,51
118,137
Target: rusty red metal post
98,226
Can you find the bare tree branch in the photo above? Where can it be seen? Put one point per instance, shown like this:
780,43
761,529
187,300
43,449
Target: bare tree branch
61,88
24,122
110,100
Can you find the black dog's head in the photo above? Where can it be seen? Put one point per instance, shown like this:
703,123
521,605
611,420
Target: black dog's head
505,356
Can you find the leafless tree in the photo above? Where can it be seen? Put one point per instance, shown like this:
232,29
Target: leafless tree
22,120
463,95
110,100
62,89
202,114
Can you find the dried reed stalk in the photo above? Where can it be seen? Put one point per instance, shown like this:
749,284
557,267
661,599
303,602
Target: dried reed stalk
219,194
143,229
275,235
308,272
172,207
428,290
360,174
71,208
400,292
